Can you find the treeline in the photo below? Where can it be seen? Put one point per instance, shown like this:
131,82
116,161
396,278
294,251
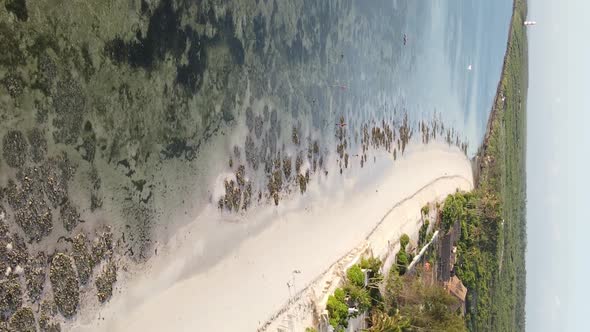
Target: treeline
492,247
479,215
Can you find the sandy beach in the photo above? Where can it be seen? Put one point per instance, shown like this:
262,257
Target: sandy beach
223,274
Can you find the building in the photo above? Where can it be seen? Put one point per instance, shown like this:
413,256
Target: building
456,288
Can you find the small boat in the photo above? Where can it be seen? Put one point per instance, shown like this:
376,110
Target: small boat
405,39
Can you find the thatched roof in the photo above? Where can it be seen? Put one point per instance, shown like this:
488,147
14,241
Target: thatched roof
456,288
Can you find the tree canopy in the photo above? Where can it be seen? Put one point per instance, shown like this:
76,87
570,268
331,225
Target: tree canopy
404,240
356,276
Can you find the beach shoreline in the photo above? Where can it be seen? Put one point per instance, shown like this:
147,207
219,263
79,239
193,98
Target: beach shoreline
211,271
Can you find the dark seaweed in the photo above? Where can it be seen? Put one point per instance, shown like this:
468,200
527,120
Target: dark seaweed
18,8
177,148
163,36
191,74
11,54
260,33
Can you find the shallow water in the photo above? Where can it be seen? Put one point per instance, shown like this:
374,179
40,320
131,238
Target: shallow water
150,100
133,109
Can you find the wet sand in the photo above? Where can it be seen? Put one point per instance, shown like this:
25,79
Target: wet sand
230,273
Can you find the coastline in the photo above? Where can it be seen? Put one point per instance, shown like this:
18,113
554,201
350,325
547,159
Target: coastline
497,301
243,270
496,107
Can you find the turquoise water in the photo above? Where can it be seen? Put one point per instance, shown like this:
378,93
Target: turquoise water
451,36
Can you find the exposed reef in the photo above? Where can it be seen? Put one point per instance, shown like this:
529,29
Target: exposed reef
391,136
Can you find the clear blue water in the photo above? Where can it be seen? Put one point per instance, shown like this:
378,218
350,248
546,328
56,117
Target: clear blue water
450,36
364,51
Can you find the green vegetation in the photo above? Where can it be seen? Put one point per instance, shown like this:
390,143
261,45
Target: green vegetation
452,211
355,294
359,296
429,307
403,258
372,264
479,216
412,305
395,304
375,278
356,276
338,309
425,210
423,234
404,240
381,322
491,248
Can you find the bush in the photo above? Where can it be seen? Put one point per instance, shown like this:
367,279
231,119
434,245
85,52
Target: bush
380,322
340,295
393,287
373,266
359,296
453,210
337,309
402,261
430,308
404,240
425,210
371,263
356,276
422,234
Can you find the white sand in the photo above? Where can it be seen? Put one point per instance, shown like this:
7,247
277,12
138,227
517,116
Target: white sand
231,274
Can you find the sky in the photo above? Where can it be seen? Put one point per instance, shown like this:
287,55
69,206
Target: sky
558,166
